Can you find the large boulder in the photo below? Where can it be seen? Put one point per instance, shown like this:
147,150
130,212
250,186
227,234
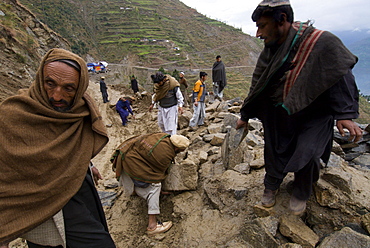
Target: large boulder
294,228
182,176
346,238
233,147
338,178
184,119
218,139
257,234
227,190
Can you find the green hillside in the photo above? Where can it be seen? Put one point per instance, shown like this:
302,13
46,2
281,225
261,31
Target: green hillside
145,35
152,32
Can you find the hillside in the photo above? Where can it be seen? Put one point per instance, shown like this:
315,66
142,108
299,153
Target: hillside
219,205
23,41
149,31
144,35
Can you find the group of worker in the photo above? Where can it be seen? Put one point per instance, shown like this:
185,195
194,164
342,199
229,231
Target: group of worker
171,95
302,85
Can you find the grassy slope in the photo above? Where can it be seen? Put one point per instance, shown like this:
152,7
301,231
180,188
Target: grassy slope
145,32
113,30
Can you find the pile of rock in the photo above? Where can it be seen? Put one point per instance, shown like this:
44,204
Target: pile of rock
341,197
218,183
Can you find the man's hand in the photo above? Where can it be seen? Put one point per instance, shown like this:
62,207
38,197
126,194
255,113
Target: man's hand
181,111
96,175
355,132
151,107
240,124
196,104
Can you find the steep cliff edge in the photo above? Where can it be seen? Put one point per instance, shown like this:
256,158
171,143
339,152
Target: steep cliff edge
23,42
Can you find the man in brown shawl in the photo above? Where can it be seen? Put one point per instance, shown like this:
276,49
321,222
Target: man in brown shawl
49,133
302,83
141,163
169,100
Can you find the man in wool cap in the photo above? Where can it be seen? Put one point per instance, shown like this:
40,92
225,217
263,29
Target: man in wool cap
49,133
302,85
141,163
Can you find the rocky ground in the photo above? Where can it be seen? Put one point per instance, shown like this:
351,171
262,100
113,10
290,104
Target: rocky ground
216,187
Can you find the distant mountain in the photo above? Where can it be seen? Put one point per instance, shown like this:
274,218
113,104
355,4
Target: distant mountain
358,42
350,37
362,69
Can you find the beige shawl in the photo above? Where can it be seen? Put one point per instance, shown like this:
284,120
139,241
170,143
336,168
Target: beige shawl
145,158
161,91
44,154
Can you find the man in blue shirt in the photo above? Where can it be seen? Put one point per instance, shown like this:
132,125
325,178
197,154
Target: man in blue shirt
123,107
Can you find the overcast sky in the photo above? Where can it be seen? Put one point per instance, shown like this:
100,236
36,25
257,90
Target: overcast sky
328,14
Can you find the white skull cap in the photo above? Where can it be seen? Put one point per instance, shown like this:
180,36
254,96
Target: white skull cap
274,3
180,141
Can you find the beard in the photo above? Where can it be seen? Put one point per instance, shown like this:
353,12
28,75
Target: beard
272,44
274,39
60,109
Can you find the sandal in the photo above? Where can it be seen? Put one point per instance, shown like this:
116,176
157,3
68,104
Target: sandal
160,228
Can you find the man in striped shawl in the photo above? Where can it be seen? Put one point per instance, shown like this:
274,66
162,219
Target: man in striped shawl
301,85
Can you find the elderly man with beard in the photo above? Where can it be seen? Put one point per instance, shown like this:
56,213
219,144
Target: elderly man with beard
170,101
49,134
301,85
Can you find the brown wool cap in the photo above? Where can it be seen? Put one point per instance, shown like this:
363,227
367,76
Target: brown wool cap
180,141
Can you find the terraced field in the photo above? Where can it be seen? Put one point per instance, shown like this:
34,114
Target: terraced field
152,32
